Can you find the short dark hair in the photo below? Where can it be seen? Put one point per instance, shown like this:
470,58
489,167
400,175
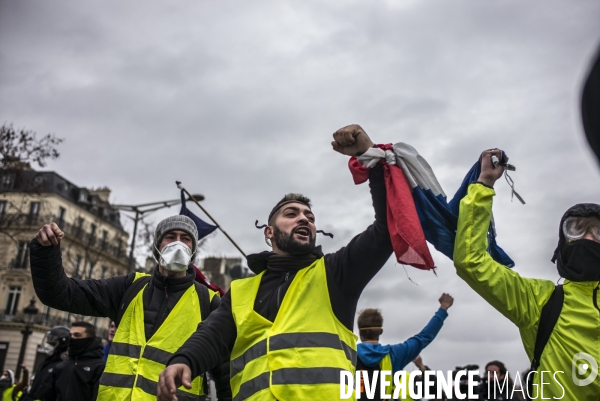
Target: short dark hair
90,330
288,198
370,318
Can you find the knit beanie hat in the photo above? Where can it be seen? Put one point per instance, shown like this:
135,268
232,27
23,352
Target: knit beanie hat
182,223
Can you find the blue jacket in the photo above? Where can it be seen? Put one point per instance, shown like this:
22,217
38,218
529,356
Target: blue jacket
371,354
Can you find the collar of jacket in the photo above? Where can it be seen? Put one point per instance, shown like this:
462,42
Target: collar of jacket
173,284
258,262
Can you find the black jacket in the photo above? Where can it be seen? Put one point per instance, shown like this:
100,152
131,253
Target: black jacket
103,297
77,378
41,383
348,270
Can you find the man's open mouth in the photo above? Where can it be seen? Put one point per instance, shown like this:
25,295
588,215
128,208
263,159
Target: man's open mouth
302,232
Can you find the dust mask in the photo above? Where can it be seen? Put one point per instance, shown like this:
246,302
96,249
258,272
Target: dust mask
175,256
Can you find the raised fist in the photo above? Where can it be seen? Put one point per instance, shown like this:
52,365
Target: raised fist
446,301
50,234
351,140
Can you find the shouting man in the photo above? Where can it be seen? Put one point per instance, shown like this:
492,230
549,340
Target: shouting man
288,330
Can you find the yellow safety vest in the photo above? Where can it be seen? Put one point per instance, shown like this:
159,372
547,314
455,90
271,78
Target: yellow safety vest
8,393
299,356
386,364
134,364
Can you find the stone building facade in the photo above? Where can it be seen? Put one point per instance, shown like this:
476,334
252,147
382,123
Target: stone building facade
94,246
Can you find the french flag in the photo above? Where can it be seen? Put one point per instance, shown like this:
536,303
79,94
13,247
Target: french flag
417,208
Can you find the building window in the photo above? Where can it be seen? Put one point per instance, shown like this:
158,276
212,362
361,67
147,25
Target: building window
60,219
90,270
119,246
76,266
7,181
79,227
104,239
22,255
92,234
34,212
12,302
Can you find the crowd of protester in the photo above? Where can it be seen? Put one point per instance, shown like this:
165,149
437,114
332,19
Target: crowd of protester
287,332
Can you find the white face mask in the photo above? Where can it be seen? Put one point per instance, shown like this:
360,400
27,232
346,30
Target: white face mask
175,256
49,348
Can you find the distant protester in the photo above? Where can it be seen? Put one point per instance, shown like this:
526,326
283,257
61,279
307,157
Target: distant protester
112,328
56,343
498,385
374,356
9,390
557,323
78,377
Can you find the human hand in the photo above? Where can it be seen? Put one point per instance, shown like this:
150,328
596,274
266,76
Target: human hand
419,362
446,301
351,140
490,173
171,378
50,234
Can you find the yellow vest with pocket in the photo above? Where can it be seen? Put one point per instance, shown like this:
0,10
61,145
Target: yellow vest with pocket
134,364
299,356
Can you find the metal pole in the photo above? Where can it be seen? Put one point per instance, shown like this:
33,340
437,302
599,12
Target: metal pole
210,217
135,224
26,332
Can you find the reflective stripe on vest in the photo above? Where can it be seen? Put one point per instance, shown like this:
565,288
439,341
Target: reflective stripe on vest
133,365
298,356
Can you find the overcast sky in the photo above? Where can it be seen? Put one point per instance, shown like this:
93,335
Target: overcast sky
239,100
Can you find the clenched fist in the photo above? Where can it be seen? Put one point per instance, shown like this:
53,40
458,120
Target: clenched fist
351,140
50,234
446,301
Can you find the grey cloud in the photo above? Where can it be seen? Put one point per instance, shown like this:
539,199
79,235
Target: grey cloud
239,100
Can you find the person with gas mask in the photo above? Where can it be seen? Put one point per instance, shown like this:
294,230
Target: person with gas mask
289,328
77,377
55,346
154,313
9,390
559,325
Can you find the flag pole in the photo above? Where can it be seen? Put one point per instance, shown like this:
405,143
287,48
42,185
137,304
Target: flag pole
209,216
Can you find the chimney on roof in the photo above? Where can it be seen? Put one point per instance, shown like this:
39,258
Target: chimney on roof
102,192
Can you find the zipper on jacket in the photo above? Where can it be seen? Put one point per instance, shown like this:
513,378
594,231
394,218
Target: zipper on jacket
596,296
287,275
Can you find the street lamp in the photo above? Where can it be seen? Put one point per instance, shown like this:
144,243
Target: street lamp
29,314
142,209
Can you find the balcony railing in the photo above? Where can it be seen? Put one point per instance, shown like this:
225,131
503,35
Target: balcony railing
78,233
47,320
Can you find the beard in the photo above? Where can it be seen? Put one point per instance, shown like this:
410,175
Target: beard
287,243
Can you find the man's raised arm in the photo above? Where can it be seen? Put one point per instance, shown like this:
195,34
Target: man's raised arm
354,265
56,290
